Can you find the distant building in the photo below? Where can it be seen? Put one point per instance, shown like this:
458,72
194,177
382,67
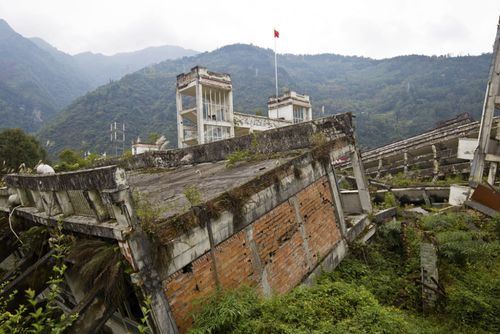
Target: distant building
138,147
205,109
290,107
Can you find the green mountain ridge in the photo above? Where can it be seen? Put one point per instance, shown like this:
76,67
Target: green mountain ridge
33,85
37,80
391,98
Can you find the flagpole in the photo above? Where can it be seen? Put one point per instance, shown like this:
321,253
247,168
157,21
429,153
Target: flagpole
275,66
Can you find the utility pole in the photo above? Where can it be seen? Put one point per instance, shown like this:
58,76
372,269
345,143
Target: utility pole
117,134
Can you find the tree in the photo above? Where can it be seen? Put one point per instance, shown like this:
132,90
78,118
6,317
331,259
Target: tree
153,137
17,147
70,157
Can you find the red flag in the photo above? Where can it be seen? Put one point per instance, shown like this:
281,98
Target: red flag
276,34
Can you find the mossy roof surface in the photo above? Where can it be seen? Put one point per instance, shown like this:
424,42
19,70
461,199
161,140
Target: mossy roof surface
165,188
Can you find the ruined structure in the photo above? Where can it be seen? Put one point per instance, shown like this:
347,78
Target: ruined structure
199,218
205,112
431,154
488,143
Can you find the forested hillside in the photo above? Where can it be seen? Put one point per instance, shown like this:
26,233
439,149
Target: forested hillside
37,80
391,98
33,84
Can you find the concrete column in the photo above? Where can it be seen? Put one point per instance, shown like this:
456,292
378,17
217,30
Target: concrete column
406,163
231,113
38,200
65,203
49,202
379,168
337,200
257,263
492,173
302,229
95,202
429,275
435,171
117,200
361,183
494,165
200,124
146,277
180,124
309,114
23,197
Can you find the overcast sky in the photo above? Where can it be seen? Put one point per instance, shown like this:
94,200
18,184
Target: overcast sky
377,28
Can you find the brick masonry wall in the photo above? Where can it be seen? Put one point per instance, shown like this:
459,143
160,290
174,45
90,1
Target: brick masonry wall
276,251
319,219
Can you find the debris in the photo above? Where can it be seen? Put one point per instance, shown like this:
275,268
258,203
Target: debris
418,210
458,194
485,199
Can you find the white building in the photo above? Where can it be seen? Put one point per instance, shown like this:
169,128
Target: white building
291,107
205,109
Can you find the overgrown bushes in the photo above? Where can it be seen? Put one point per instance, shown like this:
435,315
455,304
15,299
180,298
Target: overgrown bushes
328,307
377,288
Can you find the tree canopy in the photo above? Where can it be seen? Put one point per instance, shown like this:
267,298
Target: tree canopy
17,147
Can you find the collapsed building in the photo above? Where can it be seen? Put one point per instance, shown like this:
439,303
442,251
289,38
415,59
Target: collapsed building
446,150
263,209
245,200
457,146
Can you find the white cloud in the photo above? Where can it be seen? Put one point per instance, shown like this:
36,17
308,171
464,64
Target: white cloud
381,28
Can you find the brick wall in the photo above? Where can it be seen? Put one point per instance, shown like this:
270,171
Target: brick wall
287,244
319,218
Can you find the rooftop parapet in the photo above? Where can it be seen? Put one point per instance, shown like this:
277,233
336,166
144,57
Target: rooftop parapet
206,77
259,123
289,98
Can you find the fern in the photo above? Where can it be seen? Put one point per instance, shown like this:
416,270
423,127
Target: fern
102,266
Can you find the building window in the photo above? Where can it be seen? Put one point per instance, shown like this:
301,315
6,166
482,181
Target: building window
213,133
215,105
298,114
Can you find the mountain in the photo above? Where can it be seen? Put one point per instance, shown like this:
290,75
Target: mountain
100,69
391,98
37,80
33,84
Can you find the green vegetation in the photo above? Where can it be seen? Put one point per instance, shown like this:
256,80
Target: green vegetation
35,85
144,327
16,147
101,265
70,160
377,288
318,139
193,194
391,98
30,315
238,156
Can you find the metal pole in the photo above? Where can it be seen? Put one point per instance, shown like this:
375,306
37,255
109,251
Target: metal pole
276,67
